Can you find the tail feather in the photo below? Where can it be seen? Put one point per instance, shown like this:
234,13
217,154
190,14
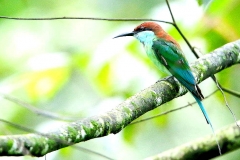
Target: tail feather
207,119
203,109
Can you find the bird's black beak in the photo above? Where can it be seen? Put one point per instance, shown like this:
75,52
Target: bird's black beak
125,34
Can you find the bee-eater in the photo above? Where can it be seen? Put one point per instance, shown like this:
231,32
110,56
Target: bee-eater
162,49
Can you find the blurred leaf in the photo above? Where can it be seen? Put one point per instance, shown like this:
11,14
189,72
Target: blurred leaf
81,60
6,69
44,84
130,133
66,152
7,8
214,40
216,7
103,79
218,26
162,120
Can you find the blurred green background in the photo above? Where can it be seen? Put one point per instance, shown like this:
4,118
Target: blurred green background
74,68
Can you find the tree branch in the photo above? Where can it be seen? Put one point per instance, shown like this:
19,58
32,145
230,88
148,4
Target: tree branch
118,118
204,148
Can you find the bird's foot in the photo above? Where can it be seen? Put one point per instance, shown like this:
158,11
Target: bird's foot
164,79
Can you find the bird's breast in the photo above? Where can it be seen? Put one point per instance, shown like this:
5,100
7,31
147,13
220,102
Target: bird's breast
154,59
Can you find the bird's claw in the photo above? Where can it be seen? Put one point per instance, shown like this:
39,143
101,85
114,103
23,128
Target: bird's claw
164,79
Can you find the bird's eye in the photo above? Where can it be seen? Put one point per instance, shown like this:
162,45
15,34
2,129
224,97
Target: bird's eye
142,29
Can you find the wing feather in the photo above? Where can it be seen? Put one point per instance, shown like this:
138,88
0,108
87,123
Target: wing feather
173,59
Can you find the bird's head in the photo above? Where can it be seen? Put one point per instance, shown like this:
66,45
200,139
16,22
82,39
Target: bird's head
153,27
148,31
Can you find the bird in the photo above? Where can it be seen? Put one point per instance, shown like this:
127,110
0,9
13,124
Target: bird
163,50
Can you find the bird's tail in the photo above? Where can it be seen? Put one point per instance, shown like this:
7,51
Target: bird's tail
207,119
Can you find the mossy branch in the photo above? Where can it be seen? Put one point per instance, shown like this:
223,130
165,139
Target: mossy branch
204,148
37,144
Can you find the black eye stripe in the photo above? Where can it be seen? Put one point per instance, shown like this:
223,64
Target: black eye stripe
143,29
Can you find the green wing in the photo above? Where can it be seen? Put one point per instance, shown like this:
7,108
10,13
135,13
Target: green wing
173,59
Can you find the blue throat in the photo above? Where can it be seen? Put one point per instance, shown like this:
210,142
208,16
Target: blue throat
146,37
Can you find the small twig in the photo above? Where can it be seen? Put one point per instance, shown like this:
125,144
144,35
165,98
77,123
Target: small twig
38,111
85,18
229,91
225,99
22,128
169,8
180,32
